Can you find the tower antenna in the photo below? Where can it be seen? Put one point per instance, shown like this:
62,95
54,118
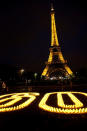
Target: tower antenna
52,5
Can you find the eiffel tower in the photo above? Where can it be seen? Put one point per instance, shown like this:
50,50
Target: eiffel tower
56,66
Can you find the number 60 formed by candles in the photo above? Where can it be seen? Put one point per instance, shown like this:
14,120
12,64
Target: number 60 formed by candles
12,102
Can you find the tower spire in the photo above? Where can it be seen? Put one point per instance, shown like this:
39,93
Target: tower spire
54,38
52,8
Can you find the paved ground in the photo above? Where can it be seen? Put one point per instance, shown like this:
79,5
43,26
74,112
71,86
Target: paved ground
35,119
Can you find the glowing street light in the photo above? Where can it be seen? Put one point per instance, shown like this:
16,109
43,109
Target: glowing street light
35,75
21,71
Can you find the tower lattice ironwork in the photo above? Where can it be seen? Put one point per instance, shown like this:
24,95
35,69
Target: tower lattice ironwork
56,66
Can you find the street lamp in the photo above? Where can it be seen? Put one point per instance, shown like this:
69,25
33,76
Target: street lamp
35,75
21,71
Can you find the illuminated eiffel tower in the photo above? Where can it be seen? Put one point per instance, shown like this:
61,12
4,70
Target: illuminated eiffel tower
56,66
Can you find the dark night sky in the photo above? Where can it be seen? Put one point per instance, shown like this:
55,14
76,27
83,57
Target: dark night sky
25,32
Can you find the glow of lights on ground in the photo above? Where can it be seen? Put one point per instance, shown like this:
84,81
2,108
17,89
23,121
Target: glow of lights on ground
11,99
12,102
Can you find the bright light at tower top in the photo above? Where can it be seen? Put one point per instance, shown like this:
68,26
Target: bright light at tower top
52,8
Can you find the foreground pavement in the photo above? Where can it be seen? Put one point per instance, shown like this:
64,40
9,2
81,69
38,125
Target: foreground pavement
36,119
